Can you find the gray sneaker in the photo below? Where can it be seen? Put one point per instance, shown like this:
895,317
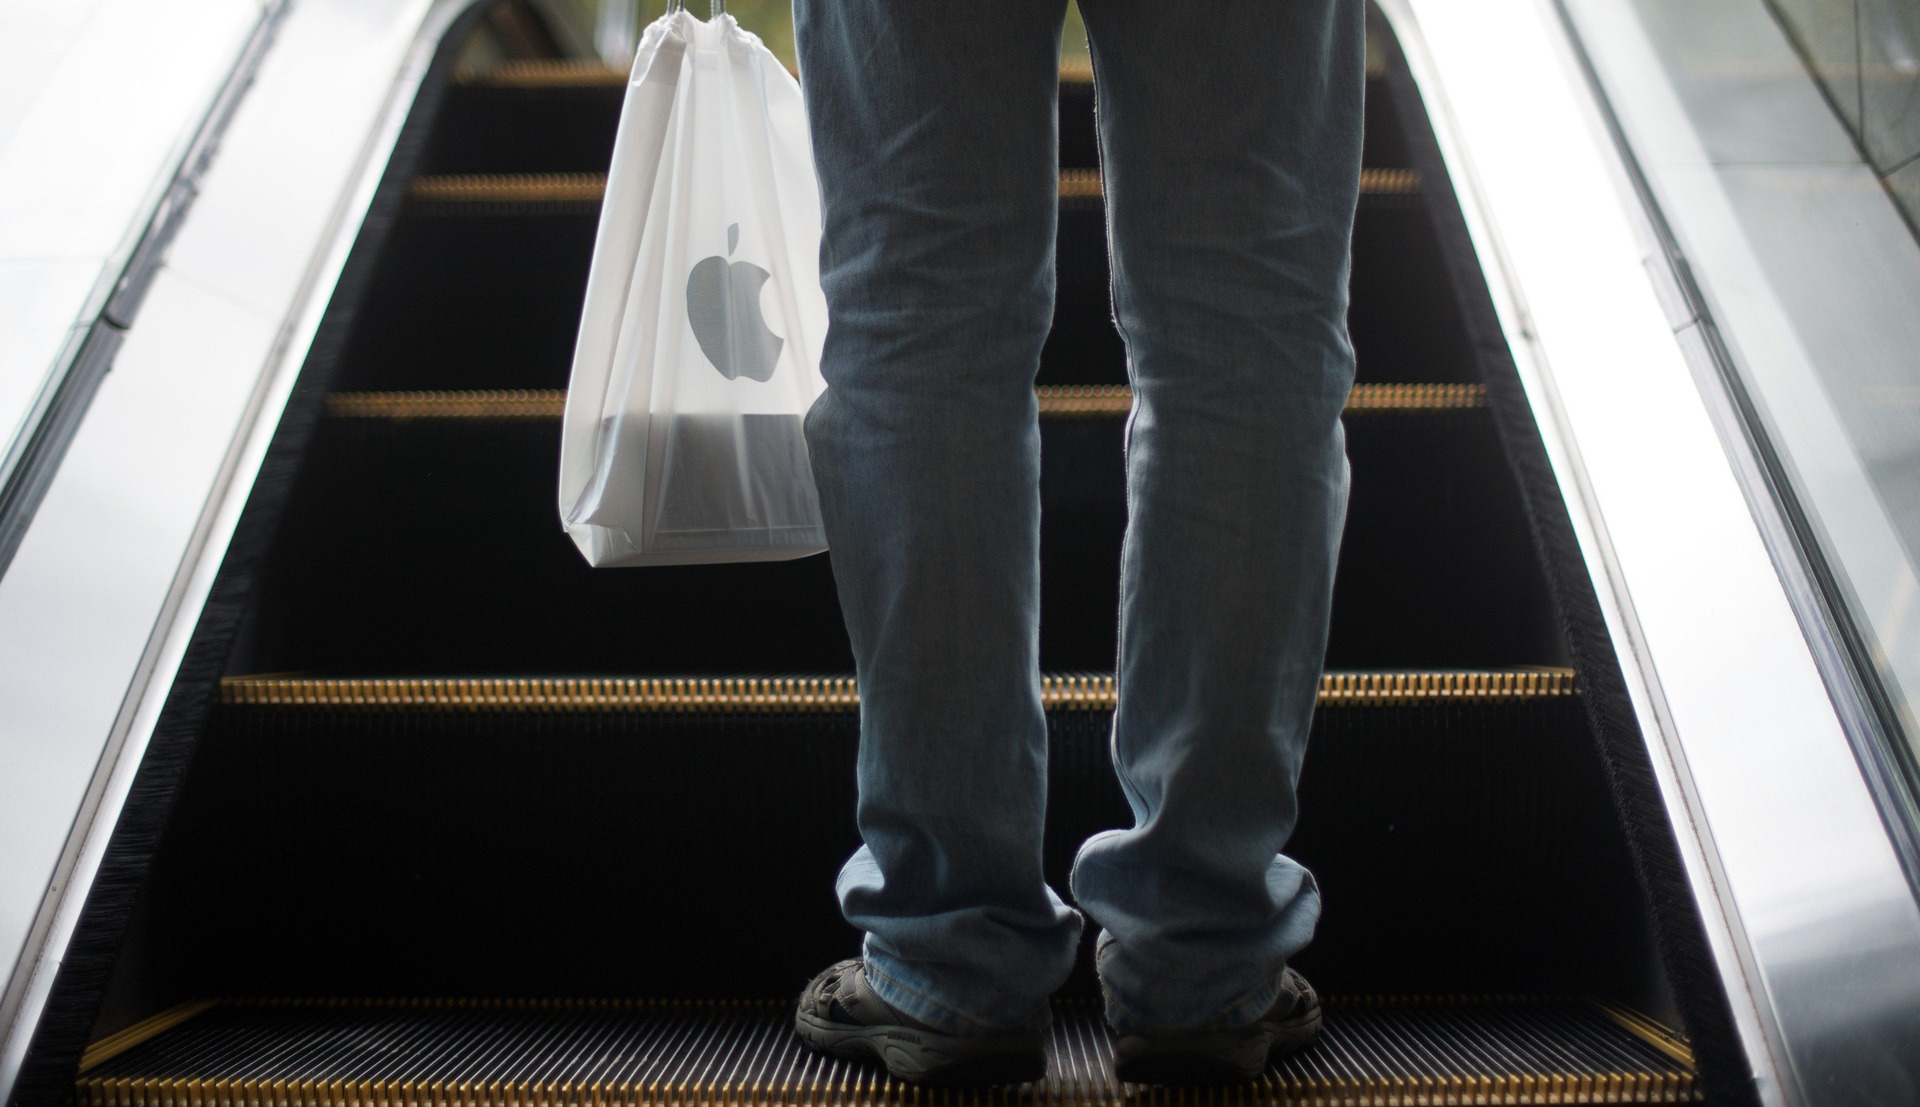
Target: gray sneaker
840,1014
1224,1056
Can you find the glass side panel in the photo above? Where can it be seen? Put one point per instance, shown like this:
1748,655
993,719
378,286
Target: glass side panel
1808,272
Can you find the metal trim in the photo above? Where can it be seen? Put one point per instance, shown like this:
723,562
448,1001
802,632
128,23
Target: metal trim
35,454
124,746
1839,648
1746,743
1726,938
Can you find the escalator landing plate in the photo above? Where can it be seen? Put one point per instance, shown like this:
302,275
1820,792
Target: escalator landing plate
480,1053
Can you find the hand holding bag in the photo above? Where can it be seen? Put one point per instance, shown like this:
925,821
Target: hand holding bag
699,346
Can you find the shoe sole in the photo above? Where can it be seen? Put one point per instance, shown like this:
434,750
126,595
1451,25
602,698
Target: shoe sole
922,1057
1224,1057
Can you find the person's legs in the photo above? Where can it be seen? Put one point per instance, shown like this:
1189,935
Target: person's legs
1230,137
934,135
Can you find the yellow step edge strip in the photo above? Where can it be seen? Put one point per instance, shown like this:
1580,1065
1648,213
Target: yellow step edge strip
1057,401
510,188
1081,184
878,1091
1382,398
1094,692
588,73
499,403
587,188
545,73
1655,1034
117,1043
1083,401
1086,184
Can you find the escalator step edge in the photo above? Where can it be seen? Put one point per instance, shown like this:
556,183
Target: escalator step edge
1056,401
1058,692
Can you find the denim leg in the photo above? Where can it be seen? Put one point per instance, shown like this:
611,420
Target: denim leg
1230,139
934,135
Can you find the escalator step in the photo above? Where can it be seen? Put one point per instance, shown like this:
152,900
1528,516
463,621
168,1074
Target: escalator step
560,114
461,190
477,1053
1058,692
1436,567
626,837
1060,401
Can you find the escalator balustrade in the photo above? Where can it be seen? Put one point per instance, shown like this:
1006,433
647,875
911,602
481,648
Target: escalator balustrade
474,824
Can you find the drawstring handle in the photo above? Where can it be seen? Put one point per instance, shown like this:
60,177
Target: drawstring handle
717,7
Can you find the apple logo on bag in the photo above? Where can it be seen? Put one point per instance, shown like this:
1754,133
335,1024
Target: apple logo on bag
723,307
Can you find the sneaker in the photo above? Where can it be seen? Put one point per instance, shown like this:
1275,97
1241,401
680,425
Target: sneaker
840,1014
1224,1056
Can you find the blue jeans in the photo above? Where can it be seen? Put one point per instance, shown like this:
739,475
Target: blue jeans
1230,146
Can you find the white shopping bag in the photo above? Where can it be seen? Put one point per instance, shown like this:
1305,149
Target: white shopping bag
699,347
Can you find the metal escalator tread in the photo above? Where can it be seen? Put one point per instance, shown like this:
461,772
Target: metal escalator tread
522,1053
1057,401
1058,692
460,191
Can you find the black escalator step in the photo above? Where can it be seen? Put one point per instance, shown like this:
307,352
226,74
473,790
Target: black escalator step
430,545
487,301
1401,310
1083,346
492,266
548,115
634,837
557,115
480,1053
1055,402
1079,144
434,546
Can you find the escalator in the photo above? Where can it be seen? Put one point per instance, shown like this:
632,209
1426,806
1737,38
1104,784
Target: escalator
469,823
